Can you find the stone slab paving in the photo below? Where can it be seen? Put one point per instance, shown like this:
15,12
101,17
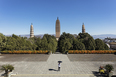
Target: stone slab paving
26,68
92,57
23,57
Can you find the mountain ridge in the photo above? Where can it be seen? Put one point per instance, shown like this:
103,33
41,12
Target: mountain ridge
101,36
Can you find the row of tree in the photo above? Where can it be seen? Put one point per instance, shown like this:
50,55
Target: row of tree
66,42
48,42
81,42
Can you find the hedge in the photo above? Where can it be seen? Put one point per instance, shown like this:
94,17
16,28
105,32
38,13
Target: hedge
25,52
91,51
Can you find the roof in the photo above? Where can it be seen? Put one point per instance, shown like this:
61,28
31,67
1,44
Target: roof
114,43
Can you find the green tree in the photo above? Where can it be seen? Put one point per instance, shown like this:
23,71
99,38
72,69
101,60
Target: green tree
15,36
65,39
38,43
68,36
11,44
33,40
78,45
21,43
83,36
99,44
28,45
7,68
52,45
50,42
90,44
25,38
18,44
44,44
87,40
3,40
34,46
64,45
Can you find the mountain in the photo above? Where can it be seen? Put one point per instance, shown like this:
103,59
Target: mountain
28,35
102,36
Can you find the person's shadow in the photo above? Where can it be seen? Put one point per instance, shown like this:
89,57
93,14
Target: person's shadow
52,70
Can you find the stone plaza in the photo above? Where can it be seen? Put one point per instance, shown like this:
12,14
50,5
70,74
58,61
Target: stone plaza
44,65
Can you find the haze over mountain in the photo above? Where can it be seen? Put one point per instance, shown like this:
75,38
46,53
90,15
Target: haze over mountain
102,36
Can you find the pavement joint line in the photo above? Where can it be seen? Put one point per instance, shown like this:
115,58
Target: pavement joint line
51,74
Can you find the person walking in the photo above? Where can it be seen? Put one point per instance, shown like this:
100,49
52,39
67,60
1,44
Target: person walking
59,66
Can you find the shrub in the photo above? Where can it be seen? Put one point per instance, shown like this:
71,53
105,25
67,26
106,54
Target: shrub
92,51
7,68
109,68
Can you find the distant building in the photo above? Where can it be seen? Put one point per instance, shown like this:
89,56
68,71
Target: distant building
113,45
31,31
57,29
83,28
109,40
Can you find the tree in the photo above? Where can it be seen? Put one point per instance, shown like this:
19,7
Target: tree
18,44
33,40
99,44
34,46
67,36
3,40
23,44
25,38
87,40
44,44
49,43
7,68
28,45
65,42
90,44
78,45
64,45
11,44
52,45
38,43
15,36
49,37
83,36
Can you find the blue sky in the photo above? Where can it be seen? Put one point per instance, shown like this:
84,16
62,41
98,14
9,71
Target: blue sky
98,16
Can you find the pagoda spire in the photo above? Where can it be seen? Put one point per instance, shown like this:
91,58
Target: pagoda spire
57,28
83,23
83,28
31,31
57,18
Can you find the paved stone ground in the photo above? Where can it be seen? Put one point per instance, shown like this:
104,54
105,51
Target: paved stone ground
83,67
24,57
92,57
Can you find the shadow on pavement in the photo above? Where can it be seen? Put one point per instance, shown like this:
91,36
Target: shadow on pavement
2,74
97,74
114,53
52,70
